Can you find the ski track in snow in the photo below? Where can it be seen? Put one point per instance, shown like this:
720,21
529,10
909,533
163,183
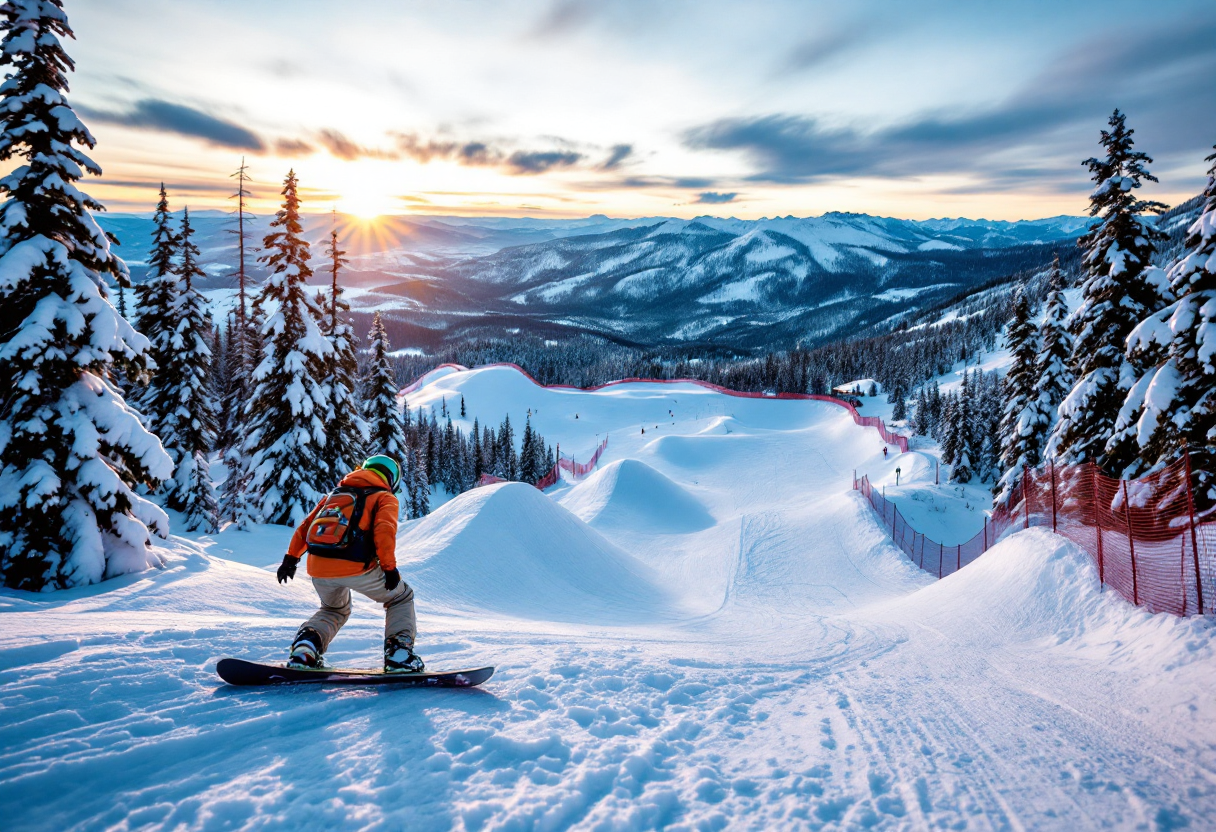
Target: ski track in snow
795,672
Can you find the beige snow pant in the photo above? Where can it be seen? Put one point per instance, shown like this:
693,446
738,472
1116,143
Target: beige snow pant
335,605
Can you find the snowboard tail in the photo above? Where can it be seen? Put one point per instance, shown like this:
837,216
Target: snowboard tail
241,672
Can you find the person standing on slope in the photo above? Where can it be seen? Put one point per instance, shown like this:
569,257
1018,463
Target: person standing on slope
351,540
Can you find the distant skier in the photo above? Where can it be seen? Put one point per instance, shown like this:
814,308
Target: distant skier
884,451
351,538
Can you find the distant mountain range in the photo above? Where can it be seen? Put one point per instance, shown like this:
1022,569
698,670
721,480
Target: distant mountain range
708,280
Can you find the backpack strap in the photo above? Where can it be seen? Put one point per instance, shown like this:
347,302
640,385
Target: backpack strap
361,495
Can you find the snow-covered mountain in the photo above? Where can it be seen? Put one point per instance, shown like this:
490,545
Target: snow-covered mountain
652,280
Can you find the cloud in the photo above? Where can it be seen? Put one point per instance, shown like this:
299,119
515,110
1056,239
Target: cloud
563,18
715,198
618,154
292,148
825,45
168,117
343,148
540,161
1159,77
490,154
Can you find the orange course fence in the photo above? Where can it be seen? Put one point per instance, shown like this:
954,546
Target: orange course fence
1144,535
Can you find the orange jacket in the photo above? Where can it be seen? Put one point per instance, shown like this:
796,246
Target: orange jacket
381,507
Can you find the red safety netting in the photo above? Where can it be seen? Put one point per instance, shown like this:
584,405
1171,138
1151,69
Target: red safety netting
1143,535
581,469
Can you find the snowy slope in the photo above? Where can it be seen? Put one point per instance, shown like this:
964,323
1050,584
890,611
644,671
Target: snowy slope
711,631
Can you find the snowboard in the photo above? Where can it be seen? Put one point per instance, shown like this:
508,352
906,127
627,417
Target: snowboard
241,672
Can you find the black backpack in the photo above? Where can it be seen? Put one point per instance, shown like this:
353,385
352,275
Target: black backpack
334,531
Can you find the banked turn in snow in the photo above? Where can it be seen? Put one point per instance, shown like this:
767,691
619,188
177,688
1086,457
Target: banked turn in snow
709,631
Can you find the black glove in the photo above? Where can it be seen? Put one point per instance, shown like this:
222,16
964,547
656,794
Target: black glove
287,569
391,579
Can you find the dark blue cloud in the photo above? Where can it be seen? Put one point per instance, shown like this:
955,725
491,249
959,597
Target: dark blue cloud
619,153
539,161
716,198
168,117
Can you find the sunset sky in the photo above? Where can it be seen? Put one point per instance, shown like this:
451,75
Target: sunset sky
680,107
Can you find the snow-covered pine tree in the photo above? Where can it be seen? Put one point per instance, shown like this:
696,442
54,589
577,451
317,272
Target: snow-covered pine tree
900,412
922,416
1053,378
1118,292
489,451
217,373
478,452
964,466
988,426
948,432
386,430
155,300
234,505
419,486
462,411
1174,401
188,430
431,458
71,451
345,430
1018,433
285,412
508,460
527,454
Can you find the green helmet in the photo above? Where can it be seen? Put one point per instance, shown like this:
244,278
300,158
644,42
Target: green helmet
386,467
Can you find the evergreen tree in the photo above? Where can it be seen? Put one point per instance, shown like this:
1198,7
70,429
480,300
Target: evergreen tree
217,372
948,430
462,412
1019,429
508,461
991,401
964,462
1174,401
386,429
528,460
1052,376
285,413
923,417
478,453
71,451
419,486
900,412
188,430
156,299
1118,292
489,449
431,456
234,504
346,433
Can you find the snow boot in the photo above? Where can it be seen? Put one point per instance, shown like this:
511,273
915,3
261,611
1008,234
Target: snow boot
400,657
305,650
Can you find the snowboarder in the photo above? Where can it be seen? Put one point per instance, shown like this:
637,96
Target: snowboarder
351,539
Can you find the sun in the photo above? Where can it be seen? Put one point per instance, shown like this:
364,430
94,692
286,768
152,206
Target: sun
365,198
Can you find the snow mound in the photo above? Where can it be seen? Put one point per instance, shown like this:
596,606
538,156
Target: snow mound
693,453
630,494
509,549
1035,586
